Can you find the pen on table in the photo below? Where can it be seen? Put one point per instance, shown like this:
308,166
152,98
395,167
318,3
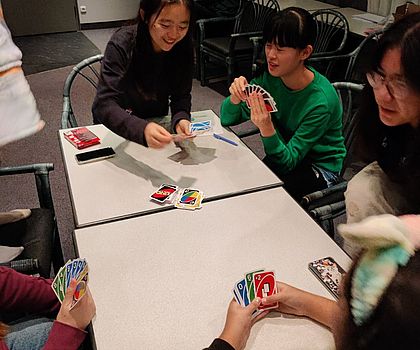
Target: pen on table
220,137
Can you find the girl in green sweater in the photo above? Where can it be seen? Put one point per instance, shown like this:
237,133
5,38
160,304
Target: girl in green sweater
303,140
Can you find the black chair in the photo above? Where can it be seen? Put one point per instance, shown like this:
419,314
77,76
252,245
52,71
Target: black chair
87,71
332,30
352,63
326,205
332,33
234,46
38,233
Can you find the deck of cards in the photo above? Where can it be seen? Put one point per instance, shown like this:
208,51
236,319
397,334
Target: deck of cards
203,127
186,198
269,102
258,283
77,269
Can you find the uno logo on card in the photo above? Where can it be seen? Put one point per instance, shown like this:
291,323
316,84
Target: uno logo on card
163,193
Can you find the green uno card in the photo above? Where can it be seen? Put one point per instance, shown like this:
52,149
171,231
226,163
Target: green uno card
249,277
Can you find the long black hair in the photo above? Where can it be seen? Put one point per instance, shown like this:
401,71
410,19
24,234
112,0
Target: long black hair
146,62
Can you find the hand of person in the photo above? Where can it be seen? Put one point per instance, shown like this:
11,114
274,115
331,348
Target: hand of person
291,300
82,313
156,136
239,322
183,127
237,90
260,116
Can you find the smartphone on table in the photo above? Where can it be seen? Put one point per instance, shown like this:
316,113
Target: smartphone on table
329,273
95,155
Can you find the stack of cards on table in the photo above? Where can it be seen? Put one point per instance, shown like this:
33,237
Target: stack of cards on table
77,269
203,127
269,102
81,137
258,283
187,198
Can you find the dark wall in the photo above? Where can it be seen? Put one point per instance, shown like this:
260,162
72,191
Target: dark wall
29,17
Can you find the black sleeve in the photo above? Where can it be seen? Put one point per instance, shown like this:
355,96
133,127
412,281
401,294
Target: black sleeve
181,89
219,344
108,106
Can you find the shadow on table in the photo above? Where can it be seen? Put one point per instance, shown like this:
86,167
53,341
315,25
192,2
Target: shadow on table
190,154
140,169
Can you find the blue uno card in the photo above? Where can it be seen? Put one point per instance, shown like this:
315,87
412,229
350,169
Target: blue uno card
237,298
198,128
243,291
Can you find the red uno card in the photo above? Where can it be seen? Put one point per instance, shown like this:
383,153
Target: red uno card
265,285
164,193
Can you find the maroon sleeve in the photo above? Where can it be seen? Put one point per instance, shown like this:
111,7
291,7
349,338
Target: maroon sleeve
64,337
22,293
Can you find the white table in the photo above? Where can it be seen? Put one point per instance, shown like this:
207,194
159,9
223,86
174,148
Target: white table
356,25
309,5
119,187
163,281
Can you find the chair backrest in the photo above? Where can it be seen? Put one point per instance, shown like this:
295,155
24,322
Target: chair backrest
348,94
332,32
357,58
88,72
253,15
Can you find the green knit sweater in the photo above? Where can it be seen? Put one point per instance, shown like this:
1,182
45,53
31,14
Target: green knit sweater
308,123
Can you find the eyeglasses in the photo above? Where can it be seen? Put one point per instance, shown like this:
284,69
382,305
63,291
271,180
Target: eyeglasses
396,87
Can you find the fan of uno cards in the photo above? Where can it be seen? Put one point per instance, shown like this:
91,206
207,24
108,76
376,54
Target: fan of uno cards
269,102
258,283
77,269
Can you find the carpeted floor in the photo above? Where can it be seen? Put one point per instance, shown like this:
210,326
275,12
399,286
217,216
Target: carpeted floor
58,50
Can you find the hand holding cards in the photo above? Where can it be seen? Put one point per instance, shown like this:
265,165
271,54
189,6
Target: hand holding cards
77,269
269,102
258,283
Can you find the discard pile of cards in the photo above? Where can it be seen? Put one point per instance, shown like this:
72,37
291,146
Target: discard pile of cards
258,283
269,102
186,198
77,269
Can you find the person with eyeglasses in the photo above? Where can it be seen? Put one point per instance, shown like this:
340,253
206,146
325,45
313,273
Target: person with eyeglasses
147,68
389,128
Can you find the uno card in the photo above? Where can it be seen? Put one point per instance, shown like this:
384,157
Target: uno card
236,295
265,285
81,286
242,291
58,284
164,193
198,128
189,199
249,278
